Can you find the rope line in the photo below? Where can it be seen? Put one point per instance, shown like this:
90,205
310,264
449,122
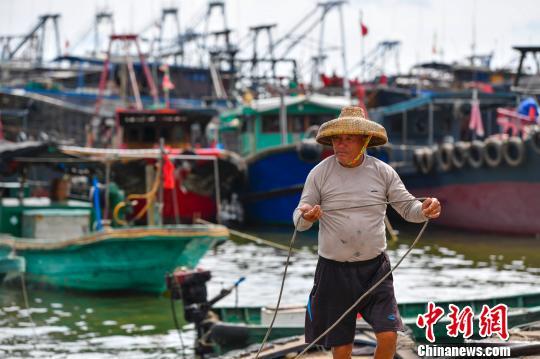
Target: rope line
27,305
361,297
281,289
372,288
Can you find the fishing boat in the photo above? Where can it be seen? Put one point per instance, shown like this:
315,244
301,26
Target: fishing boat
86,245
473,149
364,345
484,177
250,324
276,138
231,328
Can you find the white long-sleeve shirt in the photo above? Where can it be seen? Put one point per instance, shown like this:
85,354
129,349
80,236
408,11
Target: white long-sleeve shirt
355,234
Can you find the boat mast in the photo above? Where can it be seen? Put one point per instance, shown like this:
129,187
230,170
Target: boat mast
346,85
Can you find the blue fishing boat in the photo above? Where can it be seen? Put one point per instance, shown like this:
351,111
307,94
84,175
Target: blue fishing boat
485,177
276,137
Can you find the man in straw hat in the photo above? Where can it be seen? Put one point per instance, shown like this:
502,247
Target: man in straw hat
352,242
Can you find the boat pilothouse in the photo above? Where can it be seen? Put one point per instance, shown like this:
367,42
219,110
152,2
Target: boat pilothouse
178,128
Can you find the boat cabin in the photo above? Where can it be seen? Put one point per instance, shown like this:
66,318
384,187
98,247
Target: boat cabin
252,128
179,128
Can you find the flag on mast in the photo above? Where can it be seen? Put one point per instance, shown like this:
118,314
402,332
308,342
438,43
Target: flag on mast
363,28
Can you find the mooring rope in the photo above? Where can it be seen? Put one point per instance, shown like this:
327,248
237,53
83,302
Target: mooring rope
362,296
28,312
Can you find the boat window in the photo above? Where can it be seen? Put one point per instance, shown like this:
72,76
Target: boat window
247,123
319,120
133,134
270,123
149,134
165,133
396,124
177,133
421,126
296,124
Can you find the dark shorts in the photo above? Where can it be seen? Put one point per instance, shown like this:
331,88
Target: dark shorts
337,286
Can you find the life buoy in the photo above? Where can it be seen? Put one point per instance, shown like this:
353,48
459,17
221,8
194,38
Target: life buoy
493,152
309,150
444,157
423,158
460,153
476,154
514,151
534,139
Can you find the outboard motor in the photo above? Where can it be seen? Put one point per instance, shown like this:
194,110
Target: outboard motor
190,287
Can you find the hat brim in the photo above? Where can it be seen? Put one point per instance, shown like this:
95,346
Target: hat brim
352,126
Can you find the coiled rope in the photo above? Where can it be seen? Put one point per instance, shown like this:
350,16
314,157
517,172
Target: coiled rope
293,238
149,197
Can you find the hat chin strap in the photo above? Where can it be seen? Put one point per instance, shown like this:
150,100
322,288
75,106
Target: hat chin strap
357,158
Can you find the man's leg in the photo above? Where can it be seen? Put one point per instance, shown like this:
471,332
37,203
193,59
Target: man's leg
386,345
342,352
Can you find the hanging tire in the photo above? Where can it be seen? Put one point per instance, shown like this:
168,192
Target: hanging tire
424,159
460,153
534,139
493,152
514,151
308,150
476,154
444,157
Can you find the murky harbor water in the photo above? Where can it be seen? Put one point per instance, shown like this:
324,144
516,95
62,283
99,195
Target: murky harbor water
444,265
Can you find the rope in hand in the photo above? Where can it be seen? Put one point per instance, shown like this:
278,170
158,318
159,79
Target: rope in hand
362,296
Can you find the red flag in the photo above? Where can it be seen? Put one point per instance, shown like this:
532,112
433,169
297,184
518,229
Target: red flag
532,113
167,83
475,123
168,173
363,29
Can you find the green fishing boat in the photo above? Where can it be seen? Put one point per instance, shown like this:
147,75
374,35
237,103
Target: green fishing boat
115,259
95,245
238,327
221,329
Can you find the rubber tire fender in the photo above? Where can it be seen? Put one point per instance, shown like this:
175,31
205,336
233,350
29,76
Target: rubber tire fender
476,154
516,158
460,153
309,150
444,157
534,139
493,152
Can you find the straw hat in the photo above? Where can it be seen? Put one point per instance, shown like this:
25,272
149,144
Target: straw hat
352,121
